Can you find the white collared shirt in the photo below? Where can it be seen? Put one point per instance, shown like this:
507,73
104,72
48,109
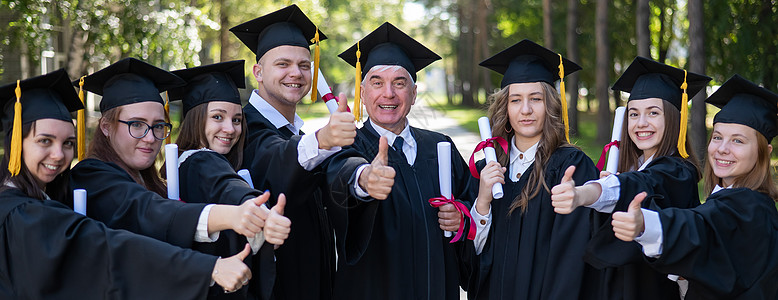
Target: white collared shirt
308,153
611,188
519,163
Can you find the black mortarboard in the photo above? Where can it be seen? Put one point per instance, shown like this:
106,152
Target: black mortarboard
216,82
286,26
387,45
743,102
527,61
130,81
646,78
48,96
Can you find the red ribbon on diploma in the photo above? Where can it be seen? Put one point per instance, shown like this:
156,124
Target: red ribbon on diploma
487,143
463,211
601,161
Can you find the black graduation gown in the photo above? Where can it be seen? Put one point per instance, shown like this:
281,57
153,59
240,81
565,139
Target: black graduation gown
50,252
305,263
670,182
727,247
394,248
115,199
537,254
208,177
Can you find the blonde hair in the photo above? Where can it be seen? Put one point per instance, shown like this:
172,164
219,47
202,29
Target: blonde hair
552,137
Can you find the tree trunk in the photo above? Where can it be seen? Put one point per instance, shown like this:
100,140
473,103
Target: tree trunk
465,52
770,54
644,35
572,54
224,32
483,25
601,71
697,132
548,37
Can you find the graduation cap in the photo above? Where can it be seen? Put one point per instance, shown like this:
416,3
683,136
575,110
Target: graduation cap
130,81
48,96
286,26
743,102
216,82
386,45
646,78
526,62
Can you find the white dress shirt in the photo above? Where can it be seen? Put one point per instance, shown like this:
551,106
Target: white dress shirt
519,163
611,188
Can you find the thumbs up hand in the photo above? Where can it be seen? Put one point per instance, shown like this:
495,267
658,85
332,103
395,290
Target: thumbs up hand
341,130
231,273
377,179
628,225
277,227
563,195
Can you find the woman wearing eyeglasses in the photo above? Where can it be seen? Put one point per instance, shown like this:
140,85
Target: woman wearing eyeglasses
124,189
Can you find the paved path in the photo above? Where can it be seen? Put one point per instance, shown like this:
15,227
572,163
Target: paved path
422,115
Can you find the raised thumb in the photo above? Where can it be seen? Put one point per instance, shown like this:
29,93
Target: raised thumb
279,207
262,198
245,253
568,174
635,204
383,152
342,103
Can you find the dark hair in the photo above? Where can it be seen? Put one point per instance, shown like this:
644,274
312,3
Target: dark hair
759,178
629,152
553,137
101,149
192,135
25,181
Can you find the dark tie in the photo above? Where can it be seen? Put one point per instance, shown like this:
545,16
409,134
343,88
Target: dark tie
398,146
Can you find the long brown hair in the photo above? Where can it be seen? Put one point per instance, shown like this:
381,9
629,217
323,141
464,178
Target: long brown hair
629,152
25,181
553,137
192,135
101,149
759,178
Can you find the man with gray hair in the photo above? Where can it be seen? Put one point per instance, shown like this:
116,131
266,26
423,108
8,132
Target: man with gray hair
395,248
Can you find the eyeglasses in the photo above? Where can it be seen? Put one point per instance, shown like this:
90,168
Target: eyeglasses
160,130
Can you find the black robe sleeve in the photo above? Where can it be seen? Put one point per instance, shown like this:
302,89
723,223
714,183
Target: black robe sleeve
50,252
116,200
725,247
668,181
207,177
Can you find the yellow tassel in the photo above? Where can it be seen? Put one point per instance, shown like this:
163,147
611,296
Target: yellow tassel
358,88
563,98
684,119
15,160
81,121
167,115
315,40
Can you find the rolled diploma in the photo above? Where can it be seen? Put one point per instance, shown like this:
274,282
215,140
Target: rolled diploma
171,166
444,173
79,201
259,238
613,152
325,90
486,133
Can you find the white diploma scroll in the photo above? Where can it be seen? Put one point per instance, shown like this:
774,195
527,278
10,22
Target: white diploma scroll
444,173
246,176
259,238
326,93
486,133
171,167
613,153
79,201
